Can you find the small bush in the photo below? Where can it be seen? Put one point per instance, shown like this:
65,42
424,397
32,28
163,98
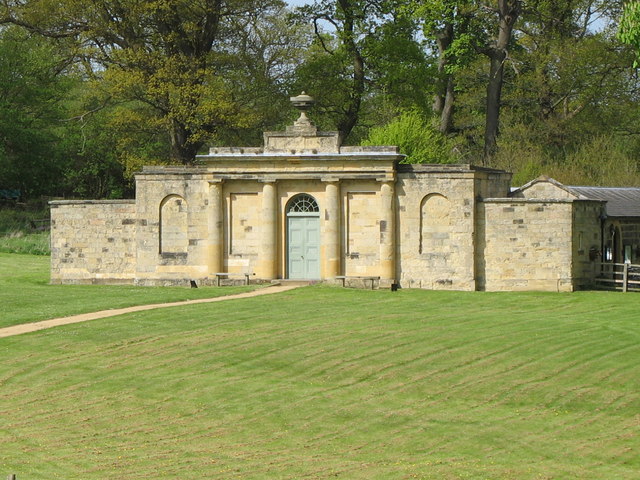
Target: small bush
417,139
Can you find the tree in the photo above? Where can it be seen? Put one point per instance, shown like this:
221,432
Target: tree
450,27
349,23
570,94
497,51
265,49
364,54
32,93
166,54
629,32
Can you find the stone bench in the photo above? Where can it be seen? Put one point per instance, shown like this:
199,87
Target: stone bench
221,275
364,278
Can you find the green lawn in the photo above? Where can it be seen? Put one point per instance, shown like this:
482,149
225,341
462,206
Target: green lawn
26,296
324,382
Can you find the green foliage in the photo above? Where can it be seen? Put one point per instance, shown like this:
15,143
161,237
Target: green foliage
20,230
29,243
603,160
170,55
399,66
629,31
31,95
360,385
115,85
468,25
416,137
19,219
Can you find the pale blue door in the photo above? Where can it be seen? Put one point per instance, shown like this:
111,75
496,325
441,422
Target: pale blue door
303,253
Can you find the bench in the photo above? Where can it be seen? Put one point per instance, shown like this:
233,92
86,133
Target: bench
43,225
10,197
221,275
364,278
13,195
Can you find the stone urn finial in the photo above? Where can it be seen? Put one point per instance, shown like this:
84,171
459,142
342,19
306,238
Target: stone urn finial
303,102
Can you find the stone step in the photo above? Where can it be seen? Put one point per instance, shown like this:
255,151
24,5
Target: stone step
294,282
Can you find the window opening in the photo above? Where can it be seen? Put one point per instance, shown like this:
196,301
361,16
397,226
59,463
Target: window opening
303,204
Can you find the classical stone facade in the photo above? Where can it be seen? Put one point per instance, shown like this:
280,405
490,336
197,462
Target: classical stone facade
306,207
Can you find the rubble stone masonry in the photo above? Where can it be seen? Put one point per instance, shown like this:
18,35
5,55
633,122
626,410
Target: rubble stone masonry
93,241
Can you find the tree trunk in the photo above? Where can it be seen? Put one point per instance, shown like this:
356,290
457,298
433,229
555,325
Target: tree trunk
352,113
446,117
444,95
182,150
508,12
494,94
348,37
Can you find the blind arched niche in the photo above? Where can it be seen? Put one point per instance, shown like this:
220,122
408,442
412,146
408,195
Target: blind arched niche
435,224
173,225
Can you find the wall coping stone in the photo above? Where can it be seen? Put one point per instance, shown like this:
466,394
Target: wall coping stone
538,200
351,153
92,202
444,168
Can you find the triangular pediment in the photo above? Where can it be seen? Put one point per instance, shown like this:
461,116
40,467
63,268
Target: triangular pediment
545,187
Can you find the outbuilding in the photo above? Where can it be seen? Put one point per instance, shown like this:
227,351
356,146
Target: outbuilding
306,207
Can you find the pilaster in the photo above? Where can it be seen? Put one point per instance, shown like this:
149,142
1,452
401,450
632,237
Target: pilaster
216,238
331,231
267,252
387,232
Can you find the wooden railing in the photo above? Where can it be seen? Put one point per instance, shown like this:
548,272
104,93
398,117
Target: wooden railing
619,276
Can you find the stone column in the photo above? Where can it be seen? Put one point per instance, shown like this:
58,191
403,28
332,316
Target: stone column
267,267
387,232
331,231
216,235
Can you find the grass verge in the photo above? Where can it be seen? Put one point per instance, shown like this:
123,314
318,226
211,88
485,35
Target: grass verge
26,243
17,232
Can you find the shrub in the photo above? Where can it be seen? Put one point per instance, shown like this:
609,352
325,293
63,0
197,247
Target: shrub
416,138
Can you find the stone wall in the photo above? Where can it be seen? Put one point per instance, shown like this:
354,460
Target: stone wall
436,216
525,244
173,208
544,188
93,241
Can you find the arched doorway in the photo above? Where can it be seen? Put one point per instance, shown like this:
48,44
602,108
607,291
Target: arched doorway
303,238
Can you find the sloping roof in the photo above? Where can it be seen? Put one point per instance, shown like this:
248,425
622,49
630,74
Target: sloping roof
621,202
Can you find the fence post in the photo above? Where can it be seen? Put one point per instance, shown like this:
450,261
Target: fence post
11,477
625,277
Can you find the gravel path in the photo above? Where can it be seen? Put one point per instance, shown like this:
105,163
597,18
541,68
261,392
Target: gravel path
84,317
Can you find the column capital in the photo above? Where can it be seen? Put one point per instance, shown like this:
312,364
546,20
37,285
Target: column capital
330,180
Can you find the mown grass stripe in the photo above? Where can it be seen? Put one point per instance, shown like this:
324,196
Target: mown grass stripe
361,385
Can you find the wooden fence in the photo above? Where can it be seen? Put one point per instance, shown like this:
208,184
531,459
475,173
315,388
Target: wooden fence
619,276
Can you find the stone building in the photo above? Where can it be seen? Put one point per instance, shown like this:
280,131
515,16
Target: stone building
306,207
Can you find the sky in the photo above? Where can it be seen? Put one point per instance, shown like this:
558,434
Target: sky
297,3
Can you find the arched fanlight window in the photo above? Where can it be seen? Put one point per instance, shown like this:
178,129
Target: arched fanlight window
303,203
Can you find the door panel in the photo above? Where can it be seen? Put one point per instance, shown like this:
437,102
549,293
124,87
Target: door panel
303,248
